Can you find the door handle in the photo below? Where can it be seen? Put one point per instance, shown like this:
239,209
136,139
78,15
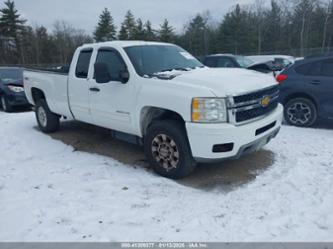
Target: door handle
94,89
315,82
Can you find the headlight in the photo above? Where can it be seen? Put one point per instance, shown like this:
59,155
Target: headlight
209,110
16,89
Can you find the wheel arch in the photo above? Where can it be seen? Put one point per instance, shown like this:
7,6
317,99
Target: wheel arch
37,94
149,114
300,95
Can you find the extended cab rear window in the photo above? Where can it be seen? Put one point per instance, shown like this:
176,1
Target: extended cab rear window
82,66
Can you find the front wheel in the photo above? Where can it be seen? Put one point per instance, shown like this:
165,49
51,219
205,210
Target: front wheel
5,104
167,149
47,121
300,112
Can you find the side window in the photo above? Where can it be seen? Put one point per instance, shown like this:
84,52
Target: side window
82,66
303,69
114,62
309,69
327,68
315,69
225,62
210,62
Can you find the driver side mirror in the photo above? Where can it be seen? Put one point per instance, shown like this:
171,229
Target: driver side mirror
102,74
124,76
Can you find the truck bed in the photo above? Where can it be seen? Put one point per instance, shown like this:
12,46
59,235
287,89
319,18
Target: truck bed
53,84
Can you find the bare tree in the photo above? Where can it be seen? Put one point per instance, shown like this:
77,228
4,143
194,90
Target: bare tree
303,12
328,15
67,39
260,12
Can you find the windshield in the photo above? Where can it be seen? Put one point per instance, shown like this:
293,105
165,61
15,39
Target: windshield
243,61
152,59
8,75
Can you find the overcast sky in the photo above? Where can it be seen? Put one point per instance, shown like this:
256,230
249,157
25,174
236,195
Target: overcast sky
84,13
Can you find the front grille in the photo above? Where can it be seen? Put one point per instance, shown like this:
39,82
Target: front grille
256,95
249,106
254,113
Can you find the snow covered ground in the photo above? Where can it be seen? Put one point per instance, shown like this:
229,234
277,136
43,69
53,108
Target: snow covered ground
52,192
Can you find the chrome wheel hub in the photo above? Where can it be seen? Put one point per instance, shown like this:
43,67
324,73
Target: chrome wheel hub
42,116
165,152
299,113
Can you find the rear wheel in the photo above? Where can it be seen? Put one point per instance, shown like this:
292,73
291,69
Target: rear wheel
47,121
6,106
300,112
167,149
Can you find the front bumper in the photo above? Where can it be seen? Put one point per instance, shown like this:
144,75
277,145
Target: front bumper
244,138
17,99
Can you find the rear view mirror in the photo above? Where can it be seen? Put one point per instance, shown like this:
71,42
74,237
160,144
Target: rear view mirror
102,74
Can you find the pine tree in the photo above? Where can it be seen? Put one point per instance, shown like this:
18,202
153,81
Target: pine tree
197,36
166,32
128,27
105,30
11,27
236,32
149,32
272,28
123,35
10,22
139,33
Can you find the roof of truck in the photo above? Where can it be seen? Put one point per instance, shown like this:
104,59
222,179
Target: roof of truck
123,44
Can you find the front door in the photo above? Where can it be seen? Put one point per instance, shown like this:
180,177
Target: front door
318,78
111,102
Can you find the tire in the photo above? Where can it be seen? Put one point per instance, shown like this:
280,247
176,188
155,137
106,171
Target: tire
47,121
167,149
6,107
300,112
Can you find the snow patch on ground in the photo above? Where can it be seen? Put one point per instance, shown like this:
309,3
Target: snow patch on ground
50,192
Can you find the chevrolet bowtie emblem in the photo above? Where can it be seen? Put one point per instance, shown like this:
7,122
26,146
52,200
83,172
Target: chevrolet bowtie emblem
265,101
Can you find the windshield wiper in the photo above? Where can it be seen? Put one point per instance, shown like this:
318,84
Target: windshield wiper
175,68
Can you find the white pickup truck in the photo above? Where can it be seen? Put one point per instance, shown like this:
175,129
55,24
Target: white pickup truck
180,111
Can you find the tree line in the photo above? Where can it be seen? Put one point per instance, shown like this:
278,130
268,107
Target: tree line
297,27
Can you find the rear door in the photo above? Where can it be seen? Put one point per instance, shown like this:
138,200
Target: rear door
326,82
318,80
78,87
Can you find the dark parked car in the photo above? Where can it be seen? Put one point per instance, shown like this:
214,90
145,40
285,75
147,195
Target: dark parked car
306,90
11,88
237,61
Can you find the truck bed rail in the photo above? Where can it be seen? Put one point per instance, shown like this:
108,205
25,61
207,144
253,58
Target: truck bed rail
63,70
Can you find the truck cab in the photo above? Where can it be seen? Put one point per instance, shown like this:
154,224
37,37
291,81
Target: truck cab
181,111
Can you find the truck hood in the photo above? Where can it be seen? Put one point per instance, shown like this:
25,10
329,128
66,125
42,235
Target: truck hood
226,81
